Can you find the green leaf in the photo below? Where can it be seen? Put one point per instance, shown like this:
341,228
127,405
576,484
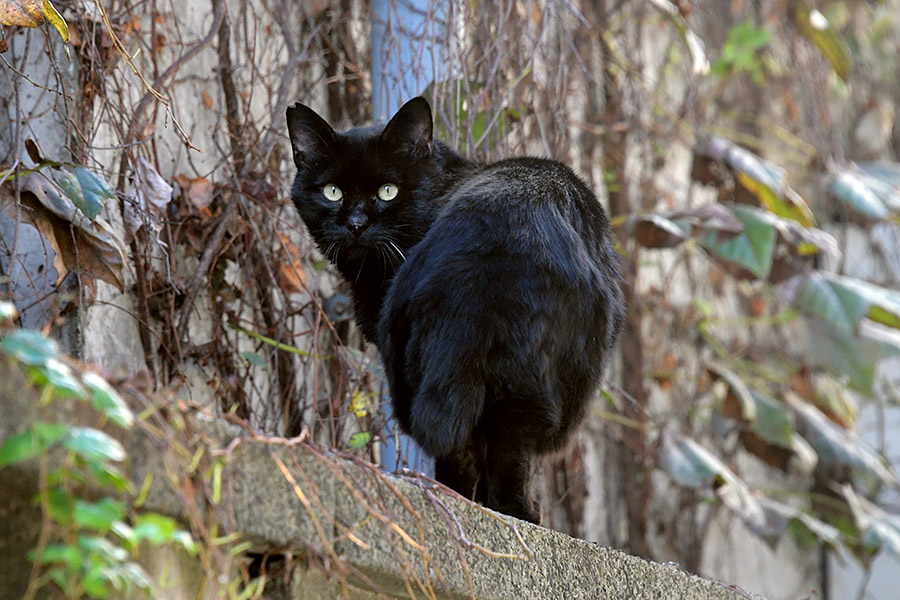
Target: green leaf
854,355
58,376
835,446
687,462
31,442
59,506
98,516
878,530
796,518
108,474
883,305
102,547
93,445
184,539
853,192
774,422
254,358
72,189
155,528
107,400
359,439
95,190
30,346
752,249
738,388
135,574
20,446
62,553
817,296
834,399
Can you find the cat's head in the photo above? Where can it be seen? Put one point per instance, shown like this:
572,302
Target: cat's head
360,192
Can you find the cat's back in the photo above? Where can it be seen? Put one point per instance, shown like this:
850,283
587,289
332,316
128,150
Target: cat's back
523,213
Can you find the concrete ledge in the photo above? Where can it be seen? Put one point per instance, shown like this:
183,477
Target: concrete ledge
402,537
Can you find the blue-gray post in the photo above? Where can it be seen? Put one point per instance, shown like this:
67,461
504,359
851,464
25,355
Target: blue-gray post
406,56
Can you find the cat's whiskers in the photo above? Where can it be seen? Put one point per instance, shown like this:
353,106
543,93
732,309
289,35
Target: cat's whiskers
398,250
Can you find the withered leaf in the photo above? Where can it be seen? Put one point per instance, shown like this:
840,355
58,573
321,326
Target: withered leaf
21,13
90,248
149,197
290,271
199,190
655,231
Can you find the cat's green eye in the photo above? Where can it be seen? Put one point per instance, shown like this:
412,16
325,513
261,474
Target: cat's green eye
332,192
388,192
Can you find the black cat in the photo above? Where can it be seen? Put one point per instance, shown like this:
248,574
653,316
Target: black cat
491,290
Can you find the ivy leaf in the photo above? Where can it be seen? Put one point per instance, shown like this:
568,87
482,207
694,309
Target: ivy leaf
882,305
774,422
94,190
834,400
98,516
61,553
752,250
738,393
816,296
853,192
794,517
107,400
838,448
359,439
155,528
59,376
855,355
56,20
254,358
92,248
687,462
878,530
20,446
93,445
30,346
33,441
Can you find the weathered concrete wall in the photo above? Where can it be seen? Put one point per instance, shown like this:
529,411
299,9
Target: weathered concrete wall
400,536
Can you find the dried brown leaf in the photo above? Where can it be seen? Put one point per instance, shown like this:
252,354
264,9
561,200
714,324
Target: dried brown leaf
290,272
655,231
199,190
21,13
150,195
90,248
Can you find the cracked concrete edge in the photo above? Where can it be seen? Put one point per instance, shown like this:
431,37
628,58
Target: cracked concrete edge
397,535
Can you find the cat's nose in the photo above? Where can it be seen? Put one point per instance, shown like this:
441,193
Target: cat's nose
357,222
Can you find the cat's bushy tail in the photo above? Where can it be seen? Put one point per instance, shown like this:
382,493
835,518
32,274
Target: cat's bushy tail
436,398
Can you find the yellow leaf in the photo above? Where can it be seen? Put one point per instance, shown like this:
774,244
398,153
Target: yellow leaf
22,13
56,20
359,403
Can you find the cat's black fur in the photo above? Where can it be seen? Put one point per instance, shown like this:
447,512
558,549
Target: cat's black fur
491,291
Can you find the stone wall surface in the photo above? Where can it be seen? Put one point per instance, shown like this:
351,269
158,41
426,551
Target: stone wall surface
399,536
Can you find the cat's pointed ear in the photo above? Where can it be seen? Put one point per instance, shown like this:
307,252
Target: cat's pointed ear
410,129
310,134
